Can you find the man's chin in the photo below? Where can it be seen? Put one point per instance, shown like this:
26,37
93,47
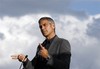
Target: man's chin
45,35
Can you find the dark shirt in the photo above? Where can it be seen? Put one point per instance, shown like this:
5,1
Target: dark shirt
47,42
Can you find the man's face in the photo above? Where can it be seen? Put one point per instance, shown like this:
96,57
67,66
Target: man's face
46,28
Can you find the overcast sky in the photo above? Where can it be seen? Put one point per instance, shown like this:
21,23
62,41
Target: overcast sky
76,20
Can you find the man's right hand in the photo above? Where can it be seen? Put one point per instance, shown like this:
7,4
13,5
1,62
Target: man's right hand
20,57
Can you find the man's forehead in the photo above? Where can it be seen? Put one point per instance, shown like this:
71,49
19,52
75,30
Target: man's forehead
44,22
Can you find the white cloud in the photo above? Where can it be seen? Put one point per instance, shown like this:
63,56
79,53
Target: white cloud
22,35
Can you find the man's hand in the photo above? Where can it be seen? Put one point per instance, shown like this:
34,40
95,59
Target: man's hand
20,57
43,52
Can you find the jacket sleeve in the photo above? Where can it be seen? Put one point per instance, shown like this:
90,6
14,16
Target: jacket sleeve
28,65
62,59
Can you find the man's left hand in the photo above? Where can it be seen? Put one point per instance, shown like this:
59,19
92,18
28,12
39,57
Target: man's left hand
43,52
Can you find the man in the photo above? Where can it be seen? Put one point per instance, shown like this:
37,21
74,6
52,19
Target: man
53,53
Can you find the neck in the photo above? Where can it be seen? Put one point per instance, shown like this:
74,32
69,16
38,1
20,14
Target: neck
51,36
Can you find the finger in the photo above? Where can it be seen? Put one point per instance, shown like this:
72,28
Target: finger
41,46
14,56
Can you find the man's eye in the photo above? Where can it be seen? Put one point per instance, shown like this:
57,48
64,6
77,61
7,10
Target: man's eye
45,24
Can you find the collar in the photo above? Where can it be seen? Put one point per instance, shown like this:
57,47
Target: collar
49,41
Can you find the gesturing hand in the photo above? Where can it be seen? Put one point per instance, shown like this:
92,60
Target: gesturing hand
20,57
43,52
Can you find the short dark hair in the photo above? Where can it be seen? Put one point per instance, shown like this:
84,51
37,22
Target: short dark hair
46,18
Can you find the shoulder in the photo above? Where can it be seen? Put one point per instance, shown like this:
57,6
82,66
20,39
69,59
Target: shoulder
65,45
64,40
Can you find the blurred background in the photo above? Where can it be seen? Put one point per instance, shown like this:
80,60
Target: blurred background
76,20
